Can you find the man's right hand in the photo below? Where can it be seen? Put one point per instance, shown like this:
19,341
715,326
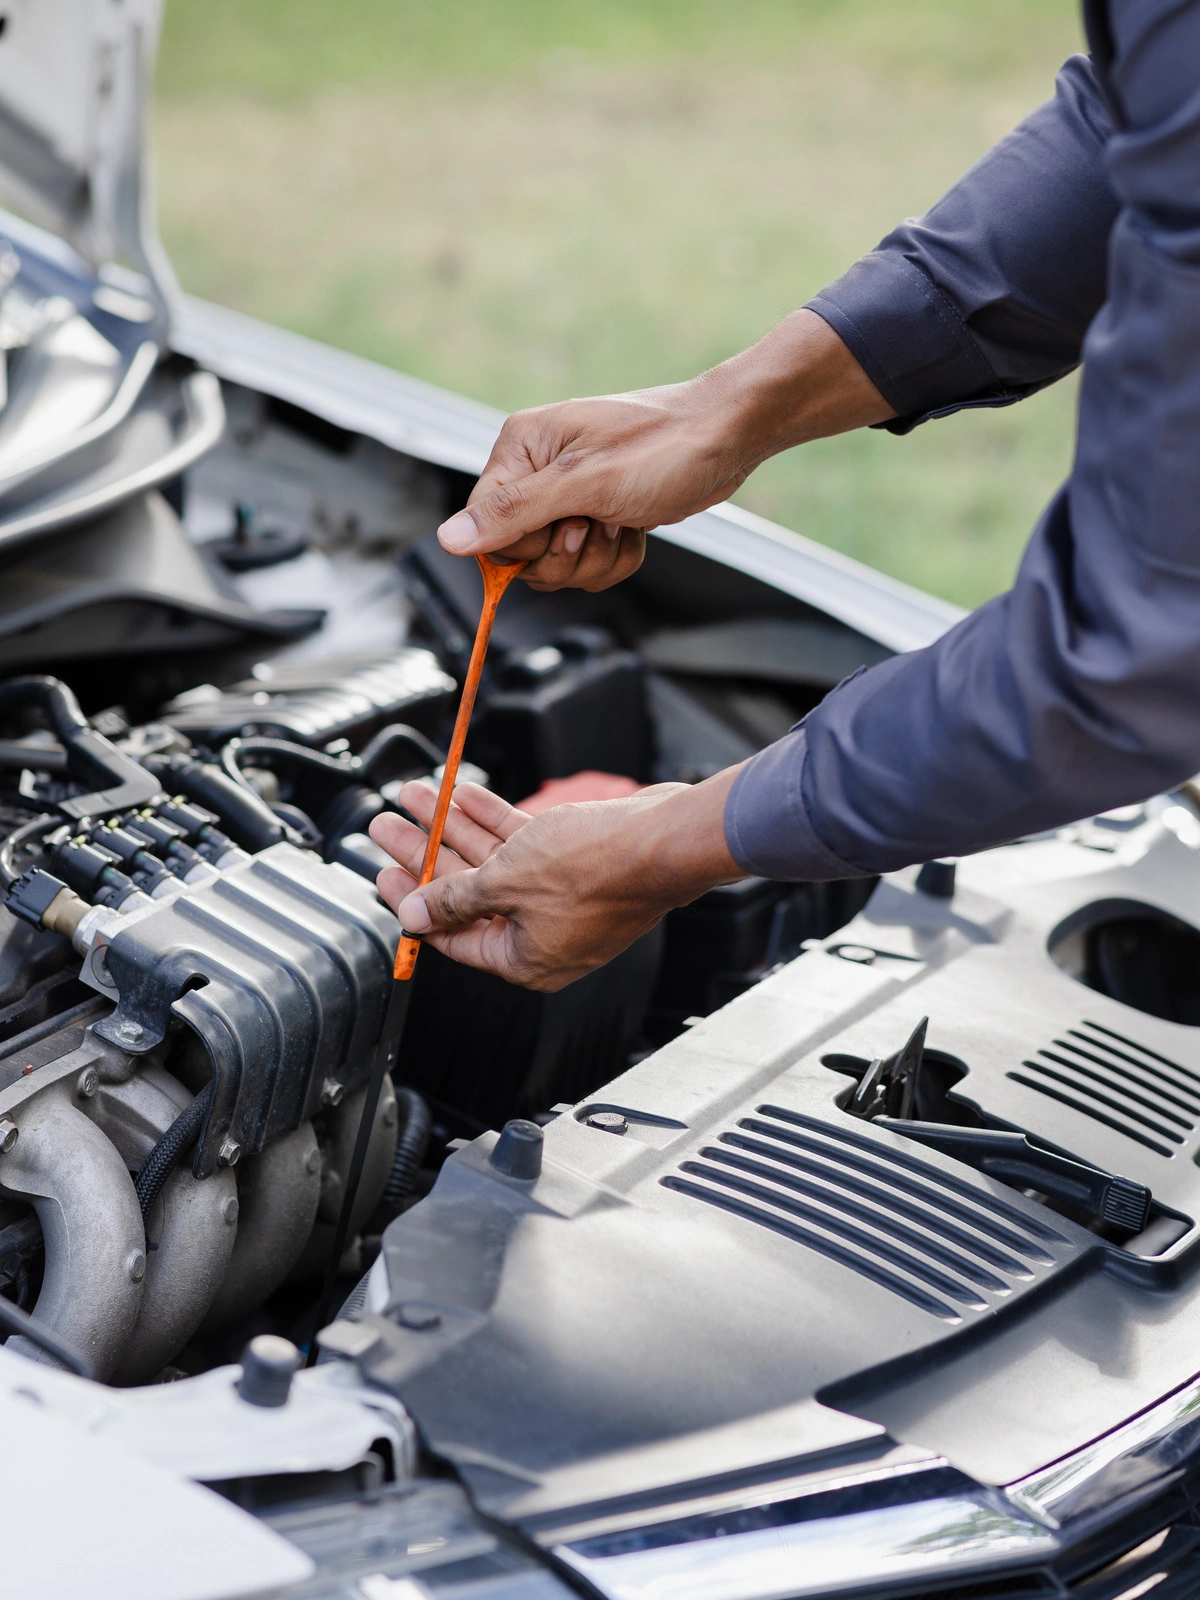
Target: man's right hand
572,488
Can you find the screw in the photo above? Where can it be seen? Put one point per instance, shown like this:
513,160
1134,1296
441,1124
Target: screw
85,1083
332,1092
9,1133
130,1031
135,1265
229,1154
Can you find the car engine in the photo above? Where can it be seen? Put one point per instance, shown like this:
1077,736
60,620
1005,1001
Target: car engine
195,966
180,978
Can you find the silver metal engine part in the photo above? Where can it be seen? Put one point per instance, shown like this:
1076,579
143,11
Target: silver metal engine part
278,967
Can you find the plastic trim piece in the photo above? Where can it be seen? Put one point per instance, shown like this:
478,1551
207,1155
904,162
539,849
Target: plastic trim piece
204,423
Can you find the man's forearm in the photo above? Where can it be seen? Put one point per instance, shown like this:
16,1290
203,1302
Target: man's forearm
800,382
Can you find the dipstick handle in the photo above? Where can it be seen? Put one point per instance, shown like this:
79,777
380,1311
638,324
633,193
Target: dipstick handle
496,580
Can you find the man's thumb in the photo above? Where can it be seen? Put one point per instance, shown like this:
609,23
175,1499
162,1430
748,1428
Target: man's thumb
502,515
443,905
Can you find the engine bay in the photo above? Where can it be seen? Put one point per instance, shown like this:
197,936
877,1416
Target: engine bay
194,961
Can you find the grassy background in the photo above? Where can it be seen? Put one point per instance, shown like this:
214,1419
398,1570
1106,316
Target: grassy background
530,200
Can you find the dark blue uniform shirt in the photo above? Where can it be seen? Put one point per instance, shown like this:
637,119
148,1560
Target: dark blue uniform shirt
1076,238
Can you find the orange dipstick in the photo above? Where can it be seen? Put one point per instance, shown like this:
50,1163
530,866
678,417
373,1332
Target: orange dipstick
495,581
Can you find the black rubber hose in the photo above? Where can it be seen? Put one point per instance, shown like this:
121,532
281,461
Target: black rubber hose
90,756
410,1146
245,815
343,767
25,834
15,1321
300,821
174,1144
399,733
53,695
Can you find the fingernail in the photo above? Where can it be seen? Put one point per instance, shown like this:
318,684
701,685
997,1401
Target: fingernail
613,530
573,539
414,915
459,533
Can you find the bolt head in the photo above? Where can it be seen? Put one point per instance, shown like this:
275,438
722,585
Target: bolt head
135,1265
229,1154
861,953
86,1083
332,1092
608,1122
418,1318
9,1133
230,1210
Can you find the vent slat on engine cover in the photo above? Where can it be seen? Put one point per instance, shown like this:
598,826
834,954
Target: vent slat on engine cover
936,1240
1116,1081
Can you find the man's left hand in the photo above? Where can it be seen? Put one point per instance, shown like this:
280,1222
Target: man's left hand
540,901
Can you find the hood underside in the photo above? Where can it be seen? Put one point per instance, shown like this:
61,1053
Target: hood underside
74,90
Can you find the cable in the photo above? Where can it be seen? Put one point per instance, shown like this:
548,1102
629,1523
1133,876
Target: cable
244,814
15,1321
410,1146
300,821
25,834
347,769
399,733
175,1143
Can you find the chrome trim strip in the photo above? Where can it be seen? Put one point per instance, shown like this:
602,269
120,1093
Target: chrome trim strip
948,1536
1154,1446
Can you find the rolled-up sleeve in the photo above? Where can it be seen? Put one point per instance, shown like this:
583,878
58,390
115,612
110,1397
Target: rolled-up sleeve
1078,689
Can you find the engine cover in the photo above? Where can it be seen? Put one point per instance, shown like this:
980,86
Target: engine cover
751,1275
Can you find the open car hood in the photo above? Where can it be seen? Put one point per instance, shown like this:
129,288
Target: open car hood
74,97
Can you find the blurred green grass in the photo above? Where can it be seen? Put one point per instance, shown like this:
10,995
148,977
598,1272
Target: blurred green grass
560,197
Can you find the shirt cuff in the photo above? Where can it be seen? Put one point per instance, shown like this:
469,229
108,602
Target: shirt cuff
767,825
909,339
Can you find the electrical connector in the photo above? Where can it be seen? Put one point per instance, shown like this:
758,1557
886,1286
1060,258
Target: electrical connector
31,896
